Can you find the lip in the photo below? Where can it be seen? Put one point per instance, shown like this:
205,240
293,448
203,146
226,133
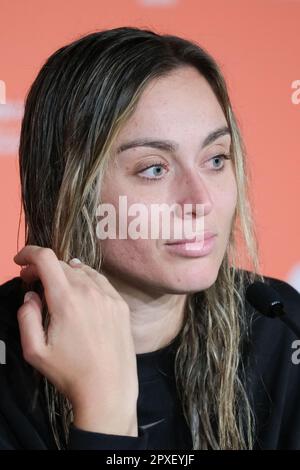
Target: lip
192,248
207,234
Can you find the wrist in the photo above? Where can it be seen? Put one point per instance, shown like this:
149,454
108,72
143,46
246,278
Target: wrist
115,421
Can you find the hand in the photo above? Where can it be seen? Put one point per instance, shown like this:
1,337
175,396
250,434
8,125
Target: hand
88,351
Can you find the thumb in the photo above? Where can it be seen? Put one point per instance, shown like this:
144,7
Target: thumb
31,328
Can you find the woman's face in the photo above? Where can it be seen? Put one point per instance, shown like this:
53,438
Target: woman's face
181,108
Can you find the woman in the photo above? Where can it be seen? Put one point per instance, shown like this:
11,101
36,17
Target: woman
138,343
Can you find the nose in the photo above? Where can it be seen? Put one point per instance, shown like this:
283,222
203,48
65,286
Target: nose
191,189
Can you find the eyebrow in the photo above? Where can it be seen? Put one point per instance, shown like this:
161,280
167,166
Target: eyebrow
169,145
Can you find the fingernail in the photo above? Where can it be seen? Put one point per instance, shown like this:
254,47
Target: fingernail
75,261
28,296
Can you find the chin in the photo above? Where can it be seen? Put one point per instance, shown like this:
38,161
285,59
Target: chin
191,283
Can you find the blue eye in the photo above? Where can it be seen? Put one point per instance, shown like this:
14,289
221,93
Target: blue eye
154,171
220,161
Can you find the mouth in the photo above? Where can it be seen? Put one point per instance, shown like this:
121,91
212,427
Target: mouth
200,238
193,247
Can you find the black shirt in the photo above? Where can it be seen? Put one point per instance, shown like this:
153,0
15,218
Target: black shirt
272,377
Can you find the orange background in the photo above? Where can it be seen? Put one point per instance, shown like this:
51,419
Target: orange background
256,42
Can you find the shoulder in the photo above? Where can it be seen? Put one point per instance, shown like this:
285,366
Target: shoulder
16,375
273,376
271,343
13,366
22,401
268,332
11,298
288,294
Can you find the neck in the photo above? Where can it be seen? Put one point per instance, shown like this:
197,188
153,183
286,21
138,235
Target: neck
156,319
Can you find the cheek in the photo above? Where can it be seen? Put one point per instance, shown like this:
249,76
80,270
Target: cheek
225,206
128,255
231,201
228,196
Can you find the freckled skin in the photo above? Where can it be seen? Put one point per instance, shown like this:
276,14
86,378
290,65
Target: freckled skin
180,107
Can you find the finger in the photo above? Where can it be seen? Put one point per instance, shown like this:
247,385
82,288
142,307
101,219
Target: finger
75,262
31,329
48,267
30,272
97,277
78,267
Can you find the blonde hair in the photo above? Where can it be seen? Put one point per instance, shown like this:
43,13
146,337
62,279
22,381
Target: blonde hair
81,98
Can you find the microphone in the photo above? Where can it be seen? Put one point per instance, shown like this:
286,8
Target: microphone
267,301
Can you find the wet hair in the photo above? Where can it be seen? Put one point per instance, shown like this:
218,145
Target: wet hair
79,101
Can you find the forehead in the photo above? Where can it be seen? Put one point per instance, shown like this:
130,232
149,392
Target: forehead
177,105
